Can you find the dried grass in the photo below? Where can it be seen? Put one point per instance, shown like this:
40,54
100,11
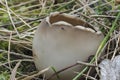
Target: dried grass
19,20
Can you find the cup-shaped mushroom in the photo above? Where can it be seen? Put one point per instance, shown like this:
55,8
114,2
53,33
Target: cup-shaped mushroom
60,41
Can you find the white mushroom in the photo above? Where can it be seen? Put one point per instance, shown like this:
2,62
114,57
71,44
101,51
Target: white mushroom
60,41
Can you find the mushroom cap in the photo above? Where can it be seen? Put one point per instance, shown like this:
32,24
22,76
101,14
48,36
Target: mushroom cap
61,40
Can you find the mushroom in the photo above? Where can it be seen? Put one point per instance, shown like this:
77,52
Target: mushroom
60,41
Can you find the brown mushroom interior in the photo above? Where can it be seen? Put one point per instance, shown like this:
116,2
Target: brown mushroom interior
70,19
